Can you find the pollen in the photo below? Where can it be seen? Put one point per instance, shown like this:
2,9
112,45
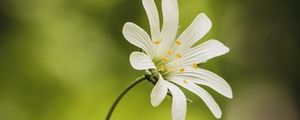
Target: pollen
156,42
178,42
181,70
185,81
162,68
178,55
170,52
195,65
165,59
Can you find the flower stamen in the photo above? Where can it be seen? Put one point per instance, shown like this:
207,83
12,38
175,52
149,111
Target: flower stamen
170,52
165,59
195,65
181,70
162,68
185,81
156,42
178,55
178,42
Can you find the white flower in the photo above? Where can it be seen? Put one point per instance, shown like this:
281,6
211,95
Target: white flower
176,59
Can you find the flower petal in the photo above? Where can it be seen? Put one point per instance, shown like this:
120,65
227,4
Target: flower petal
140,61
159,92
153,17
199,27
137,36
204,52
170,23
178,102
203,94
207,78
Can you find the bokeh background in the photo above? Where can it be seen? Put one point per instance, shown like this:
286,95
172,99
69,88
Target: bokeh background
68,60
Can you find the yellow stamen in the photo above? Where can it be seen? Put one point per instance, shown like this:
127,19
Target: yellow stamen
181,69
162,68
165,59
178,55
194,65
178,42
185,81
156,42
170,52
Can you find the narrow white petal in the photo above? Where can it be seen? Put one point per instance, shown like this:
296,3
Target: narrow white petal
170,23
159,92
153,17
203,94
140,61
178,102
204,52
199,27
138,37
207,78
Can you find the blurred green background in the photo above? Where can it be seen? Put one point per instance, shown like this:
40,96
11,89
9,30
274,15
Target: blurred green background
68,60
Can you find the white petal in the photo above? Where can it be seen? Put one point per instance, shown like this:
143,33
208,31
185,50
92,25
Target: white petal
159,92
204,52
170,23
199,27
207,78
138,37
140,61
153,17
178,103
203,94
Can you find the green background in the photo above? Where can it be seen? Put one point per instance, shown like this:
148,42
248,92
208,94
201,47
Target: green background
68,60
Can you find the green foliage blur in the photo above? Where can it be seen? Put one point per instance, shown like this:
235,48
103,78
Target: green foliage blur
68,60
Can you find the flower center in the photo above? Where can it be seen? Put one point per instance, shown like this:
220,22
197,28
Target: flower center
169,56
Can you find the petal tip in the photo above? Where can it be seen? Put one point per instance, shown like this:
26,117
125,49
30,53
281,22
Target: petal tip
219,116
154,103
230,96
220,46
205,19
140,61
131,60
226,49
128,24
125,27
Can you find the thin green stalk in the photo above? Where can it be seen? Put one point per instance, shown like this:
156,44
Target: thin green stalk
129,87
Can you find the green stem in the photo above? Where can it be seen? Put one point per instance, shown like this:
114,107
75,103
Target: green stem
129,87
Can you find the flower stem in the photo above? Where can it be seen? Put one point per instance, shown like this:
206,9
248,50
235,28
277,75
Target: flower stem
129,87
